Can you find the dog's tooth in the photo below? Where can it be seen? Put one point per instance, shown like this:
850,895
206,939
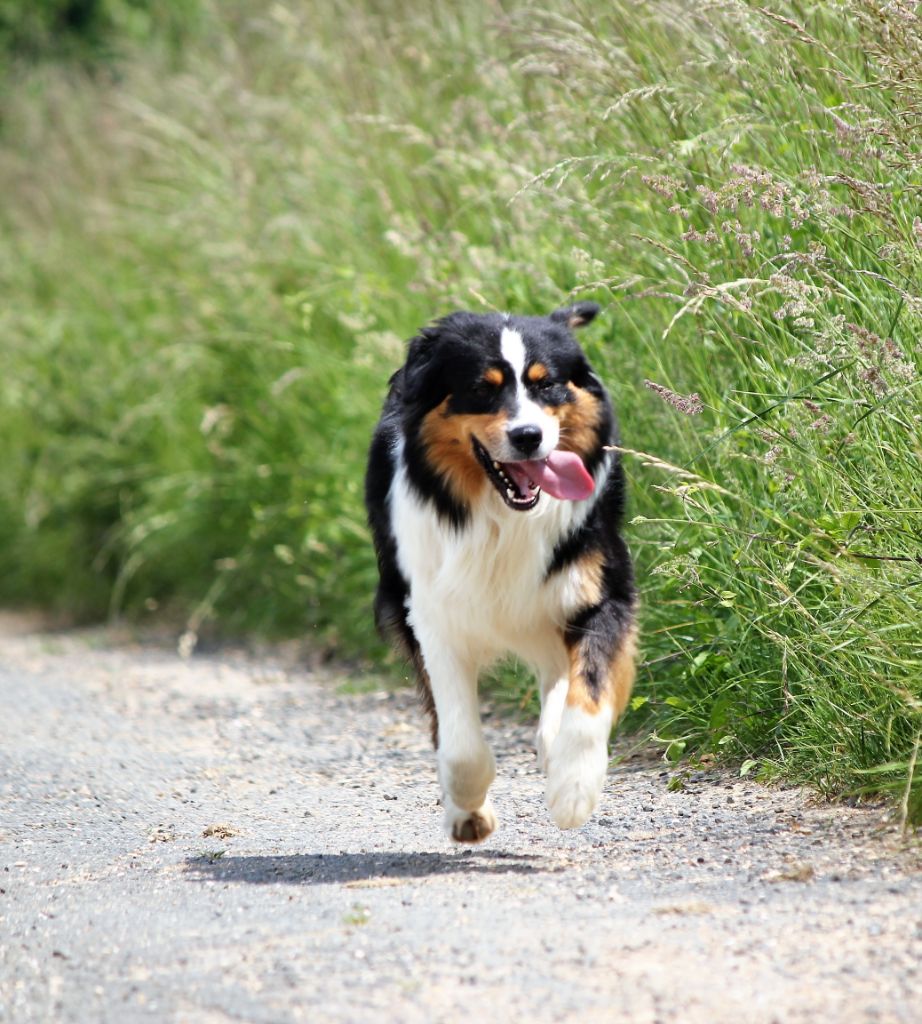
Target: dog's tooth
496,465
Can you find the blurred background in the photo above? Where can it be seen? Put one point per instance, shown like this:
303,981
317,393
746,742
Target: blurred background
219,222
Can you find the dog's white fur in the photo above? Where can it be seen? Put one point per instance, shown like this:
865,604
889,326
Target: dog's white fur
477,594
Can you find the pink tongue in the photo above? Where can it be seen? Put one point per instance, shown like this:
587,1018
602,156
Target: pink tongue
561,474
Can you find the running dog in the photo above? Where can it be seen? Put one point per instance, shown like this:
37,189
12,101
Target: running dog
494,498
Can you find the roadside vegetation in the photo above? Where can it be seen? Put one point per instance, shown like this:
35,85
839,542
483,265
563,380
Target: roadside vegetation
215,238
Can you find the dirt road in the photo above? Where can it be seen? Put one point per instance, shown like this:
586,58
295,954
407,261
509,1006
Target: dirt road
227,839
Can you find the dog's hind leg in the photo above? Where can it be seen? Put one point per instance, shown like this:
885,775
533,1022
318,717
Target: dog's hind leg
602,650
553,702
465,762
554,682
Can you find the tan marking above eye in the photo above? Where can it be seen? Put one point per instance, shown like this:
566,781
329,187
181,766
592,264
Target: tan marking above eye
536,372
494,376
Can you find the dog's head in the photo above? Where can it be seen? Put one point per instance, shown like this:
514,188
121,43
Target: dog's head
505,402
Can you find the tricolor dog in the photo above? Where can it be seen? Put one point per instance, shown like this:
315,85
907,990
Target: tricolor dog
495,499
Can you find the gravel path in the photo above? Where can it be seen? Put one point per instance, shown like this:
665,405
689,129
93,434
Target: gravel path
229,839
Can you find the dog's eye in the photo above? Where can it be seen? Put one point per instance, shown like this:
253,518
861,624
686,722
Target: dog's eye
489,383
484,389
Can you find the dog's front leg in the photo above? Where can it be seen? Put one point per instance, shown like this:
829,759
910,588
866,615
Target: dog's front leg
601,653
465,762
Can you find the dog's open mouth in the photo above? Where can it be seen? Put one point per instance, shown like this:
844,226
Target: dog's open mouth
561,474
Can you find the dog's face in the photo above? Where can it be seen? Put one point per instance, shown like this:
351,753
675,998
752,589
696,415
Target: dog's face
508,403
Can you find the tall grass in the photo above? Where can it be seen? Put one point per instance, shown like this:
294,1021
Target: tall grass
207,275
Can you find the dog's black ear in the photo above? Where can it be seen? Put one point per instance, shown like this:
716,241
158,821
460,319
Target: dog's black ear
419,356
577,315
421,368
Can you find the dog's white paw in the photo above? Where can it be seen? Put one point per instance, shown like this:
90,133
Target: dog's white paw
576,767
469,826
571,801
469,815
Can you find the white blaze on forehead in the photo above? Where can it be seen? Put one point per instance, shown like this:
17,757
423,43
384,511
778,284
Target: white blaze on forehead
513,350
527,412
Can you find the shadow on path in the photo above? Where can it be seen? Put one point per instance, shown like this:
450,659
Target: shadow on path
335,868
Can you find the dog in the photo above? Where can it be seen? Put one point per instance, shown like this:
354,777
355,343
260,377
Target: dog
494,500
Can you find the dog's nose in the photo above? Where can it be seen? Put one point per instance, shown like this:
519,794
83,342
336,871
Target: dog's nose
526,439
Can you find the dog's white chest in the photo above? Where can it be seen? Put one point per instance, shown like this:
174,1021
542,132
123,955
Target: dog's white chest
487,581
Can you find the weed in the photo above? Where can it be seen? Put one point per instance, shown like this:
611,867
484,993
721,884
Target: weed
357,916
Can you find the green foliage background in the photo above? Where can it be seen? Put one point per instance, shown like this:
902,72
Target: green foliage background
218,228
92,31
